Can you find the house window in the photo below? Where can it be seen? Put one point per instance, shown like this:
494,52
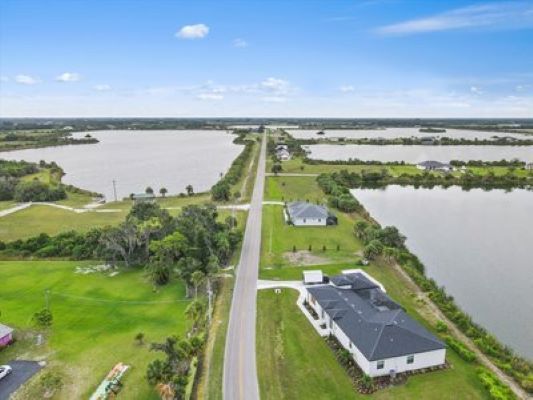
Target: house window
410,359
381,364
350,345
304,220
330,323
319,220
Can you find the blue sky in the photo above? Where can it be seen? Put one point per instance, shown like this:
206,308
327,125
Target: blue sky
266,58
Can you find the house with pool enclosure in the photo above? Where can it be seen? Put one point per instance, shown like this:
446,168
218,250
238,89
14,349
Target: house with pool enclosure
381,337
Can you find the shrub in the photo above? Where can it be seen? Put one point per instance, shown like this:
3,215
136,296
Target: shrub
460,349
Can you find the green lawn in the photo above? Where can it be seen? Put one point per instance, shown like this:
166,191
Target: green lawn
95,320
294,362
291,188
38,219
279,239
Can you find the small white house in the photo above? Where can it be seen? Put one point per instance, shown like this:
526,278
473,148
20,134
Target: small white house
301,213
434,166
381,337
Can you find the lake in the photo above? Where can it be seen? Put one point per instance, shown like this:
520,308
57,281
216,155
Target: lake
393,133
418,153
137,159
477,244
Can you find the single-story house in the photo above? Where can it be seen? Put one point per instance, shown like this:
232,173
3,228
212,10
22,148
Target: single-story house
302,213
381,337
6,335
143,197
529,166
313,277
434,166
283,155
428,140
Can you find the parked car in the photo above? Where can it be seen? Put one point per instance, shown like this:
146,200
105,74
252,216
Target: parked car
5,370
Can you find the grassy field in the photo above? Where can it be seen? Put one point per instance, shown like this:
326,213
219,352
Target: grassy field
294,362
279,239
38,219
95,320
290,188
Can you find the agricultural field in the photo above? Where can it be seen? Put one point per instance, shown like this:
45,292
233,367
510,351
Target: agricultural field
95,319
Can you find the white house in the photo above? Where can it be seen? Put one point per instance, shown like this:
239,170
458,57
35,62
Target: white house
434,166
529,166
301,213
381,337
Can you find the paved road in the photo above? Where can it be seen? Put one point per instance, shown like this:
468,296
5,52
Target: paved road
240,372
22,371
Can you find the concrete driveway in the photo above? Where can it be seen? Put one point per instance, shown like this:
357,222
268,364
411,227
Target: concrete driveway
22,371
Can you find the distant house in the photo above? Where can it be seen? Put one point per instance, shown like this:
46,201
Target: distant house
6,335
282,152
301,213
529,166
143,197
434,166
380,336
428,140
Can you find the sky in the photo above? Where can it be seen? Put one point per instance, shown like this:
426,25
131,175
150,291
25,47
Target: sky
268,58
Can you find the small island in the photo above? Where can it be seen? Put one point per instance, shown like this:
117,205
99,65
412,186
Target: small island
432,130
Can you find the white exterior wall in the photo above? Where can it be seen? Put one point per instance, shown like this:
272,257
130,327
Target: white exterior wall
398,364
309,221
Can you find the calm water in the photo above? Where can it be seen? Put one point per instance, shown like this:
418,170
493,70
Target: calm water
137,159
416,154
393,133
477,244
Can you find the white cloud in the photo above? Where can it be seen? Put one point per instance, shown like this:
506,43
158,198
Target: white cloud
197,31
476,90
347,89
274,99
26,80
102,87
503,15
276,85
68,77
240,43
210,96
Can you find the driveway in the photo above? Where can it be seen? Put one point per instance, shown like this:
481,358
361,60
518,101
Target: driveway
22,371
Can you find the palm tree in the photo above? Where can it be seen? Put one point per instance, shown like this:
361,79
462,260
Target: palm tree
163,191
197,278
195,311
165,391
149,190
189,189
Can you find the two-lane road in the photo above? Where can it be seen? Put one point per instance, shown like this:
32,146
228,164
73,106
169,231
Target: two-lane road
240,372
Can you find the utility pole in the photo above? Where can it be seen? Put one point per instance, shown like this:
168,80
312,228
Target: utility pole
115,189
209,298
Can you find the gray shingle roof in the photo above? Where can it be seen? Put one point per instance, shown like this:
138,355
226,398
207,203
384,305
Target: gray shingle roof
302,209
5,330
434,164
377,325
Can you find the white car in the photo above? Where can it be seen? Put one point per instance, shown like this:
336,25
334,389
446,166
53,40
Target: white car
5,370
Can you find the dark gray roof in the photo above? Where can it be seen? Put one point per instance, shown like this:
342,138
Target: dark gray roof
378,326
302,209
434,164
5,330
355,280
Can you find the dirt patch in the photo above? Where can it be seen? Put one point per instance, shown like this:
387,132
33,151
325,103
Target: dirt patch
304,257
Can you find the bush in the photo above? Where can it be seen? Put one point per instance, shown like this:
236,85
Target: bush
441,327
460,349
497,390
38,191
